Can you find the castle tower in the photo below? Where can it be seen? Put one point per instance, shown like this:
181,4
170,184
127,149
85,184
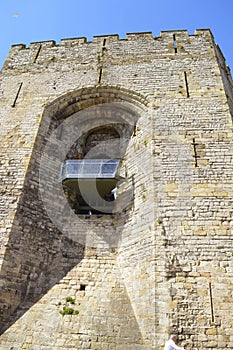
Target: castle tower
116,164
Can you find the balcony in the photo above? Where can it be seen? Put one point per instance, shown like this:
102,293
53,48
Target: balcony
92,182
90,169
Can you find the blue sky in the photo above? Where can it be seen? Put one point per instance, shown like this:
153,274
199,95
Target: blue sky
25,21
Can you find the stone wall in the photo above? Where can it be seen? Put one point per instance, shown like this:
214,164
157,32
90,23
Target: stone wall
163,262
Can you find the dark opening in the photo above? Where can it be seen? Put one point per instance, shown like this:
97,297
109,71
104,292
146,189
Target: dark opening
186,84
100,75
82,287
17,94
174,43
91,172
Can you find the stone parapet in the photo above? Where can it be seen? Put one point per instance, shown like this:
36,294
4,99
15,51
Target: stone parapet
71,49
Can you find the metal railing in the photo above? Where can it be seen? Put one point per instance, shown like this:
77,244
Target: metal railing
89,169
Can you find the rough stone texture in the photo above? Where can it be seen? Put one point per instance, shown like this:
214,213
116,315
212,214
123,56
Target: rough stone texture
164,263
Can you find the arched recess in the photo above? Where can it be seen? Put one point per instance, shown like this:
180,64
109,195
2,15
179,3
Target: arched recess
44,236
103,133
94,122
79,99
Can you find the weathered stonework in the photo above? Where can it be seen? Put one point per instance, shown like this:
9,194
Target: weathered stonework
164,263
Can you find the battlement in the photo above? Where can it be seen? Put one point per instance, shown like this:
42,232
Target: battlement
115,37
168,42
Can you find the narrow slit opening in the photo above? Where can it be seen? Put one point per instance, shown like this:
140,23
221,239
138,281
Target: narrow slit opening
195,153
211,303
37,54
100,75
17,95
174,43
135,129
186,84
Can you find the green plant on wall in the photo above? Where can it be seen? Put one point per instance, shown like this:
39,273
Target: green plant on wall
67,308
70,300
68,311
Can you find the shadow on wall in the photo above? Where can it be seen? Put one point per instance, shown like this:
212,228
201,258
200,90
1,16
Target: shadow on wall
39,253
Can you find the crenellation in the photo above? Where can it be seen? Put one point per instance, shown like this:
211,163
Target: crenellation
187,45
169,33
73,41
44,44
99,39
138,36
205,31
17,47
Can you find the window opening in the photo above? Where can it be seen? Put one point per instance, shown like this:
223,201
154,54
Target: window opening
88,177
